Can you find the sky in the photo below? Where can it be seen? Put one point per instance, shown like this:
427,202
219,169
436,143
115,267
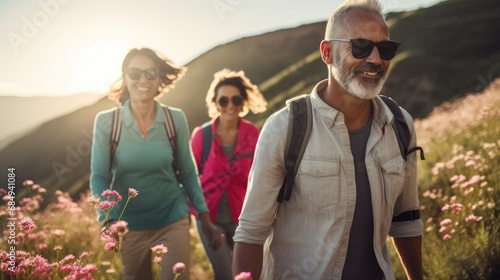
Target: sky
61,47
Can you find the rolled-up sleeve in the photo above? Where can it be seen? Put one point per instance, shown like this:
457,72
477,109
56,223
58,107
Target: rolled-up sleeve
265,180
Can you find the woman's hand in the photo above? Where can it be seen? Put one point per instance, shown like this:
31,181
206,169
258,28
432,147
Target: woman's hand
211,231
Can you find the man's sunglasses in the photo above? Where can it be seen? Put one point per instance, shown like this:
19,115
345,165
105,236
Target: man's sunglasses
362,48
136,73
236,100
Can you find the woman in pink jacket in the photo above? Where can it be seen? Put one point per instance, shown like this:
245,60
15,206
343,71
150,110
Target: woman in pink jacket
228,142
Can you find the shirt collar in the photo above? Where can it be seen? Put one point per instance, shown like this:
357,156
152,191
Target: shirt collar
382,114
128,118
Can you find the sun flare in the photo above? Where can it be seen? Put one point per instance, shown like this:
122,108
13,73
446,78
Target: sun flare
98,64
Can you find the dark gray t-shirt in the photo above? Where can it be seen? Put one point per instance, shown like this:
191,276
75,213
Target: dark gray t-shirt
361,262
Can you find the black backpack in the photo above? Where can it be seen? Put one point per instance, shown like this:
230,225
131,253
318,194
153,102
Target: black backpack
299,130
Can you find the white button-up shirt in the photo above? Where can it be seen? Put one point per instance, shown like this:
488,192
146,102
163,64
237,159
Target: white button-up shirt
307,236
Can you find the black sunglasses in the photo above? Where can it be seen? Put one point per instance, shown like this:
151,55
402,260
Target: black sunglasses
236,100
136,73
362,48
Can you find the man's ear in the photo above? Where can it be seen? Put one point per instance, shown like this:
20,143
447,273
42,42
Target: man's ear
326,51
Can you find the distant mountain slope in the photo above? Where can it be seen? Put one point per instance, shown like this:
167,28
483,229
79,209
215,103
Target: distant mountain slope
448,50
19,114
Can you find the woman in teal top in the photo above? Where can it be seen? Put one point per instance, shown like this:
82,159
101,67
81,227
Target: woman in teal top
143,161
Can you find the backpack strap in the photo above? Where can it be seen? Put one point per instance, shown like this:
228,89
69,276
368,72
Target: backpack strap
170,129
403,135
401,128
115,135
207,143
298,132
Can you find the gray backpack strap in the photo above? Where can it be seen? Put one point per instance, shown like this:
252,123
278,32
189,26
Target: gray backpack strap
298,132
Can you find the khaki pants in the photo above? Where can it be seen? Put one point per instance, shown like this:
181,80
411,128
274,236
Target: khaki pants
137,254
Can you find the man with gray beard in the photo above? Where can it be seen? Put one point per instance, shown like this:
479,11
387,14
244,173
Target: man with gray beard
353,188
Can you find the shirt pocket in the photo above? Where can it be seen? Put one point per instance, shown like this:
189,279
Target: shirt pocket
318,183
393,178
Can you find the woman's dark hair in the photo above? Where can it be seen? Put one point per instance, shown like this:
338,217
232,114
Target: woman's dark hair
169,74
253,98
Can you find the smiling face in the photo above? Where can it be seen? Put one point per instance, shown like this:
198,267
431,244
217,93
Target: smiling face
231,110
142,89
363,78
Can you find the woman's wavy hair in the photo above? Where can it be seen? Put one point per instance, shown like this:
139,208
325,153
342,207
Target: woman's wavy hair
169,74
253,100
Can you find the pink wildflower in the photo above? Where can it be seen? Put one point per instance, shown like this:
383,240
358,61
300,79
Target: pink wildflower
445,222
42,190
42,268
108,193
157,259
27,183
243,276
42,246
132,193
455,208
111,245
106,205
58,232
67,259
446,237
120,227
475,179
179,268
87,270
473,218
27,225
159,249
24,200
84,255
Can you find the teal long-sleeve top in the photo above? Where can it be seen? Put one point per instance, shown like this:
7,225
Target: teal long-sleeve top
145,164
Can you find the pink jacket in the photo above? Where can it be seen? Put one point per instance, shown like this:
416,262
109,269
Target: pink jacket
221,173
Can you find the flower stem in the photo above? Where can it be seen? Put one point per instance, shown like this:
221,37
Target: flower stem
124,207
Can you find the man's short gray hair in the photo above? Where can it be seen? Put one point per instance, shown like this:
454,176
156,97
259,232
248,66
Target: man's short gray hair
335,25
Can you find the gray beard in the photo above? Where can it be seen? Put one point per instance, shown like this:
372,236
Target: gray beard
356,87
